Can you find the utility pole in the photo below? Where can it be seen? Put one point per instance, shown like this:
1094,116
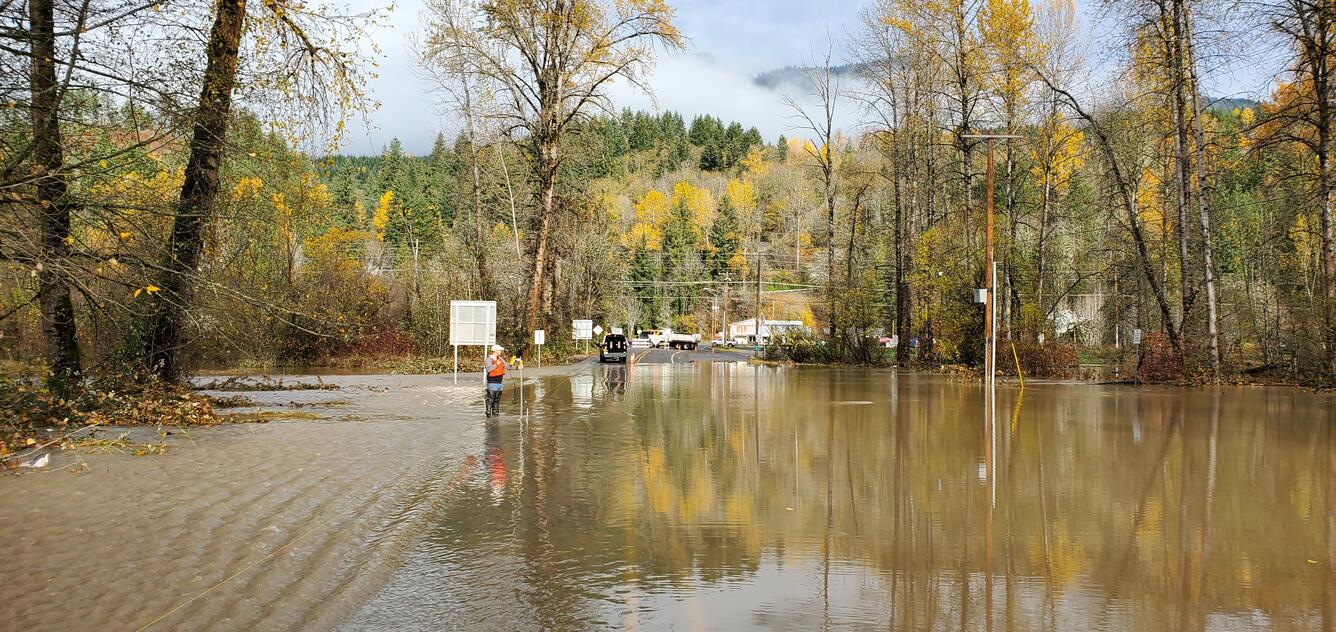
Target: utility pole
758,297
989,270
727,334
990,274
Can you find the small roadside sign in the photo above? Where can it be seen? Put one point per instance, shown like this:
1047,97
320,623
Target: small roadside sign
539,336
1136,336
598,329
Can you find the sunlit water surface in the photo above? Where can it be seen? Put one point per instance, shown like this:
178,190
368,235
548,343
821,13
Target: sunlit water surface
730,497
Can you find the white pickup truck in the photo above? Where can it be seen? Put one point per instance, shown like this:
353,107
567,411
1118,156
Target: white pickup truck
662,338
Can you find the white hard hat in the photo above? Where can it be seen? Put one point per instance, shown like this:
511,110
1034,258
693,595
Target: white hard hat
498,348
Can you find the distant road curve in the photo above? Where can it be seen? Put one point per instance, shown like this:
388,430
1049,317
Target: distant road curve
673,356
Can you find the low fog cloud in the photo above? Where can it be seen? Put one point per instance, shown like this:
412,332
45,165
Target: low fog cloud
696,84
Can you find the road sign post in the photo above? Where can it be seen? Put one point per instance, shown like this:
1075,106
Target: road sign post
539,337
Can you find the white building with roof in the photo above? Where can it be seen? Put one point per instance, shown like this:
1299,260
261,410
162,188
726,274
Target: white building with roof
745,332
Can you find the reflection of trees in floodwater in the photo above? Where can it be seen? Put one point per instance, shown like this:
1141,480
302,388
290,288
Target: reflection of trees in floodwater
1114,508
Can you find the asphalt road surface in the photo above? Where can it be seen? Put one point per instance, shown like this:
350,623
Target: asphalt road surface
675,356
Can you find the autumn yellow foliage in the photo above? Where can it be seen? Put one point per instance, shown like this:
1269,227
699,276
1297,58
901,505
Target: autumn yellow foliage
381,218
741,194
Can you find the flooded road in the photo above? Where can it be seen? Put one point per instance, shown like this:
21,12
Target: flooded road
710,496
730,497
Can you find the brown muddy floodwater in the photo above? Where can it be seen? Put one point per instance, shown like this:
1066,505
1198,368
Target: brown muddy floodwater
703,496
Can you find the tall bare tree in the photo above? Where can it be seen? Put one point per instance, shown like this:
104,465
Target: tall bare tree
551,63
823,154
1185,31
447,69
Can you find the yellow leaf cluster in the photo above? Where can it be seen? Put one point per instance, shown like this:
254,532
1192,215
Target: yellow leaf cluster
808,318
755,163
741,194
132,190
147,289
335,248
699,204
1305,240
381,218
738,263
796,146
1065,149
652,208
1150,198
501,232
246,187
643,232
282,215
1007,28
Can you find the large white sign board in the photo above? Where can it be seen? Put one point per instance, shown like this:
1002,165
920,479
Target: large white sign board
582,329
539,336
471,323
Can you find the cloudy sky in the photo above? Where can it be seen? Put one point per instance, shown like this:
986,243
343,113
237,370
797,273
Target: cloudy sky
730,41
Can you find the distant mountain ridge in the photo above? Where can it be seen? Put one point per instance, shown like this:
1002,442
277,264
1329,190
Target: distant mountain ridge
1226,104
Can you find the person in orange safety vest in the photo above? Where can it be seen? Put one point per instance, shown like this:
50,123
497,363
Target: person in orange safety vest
495,366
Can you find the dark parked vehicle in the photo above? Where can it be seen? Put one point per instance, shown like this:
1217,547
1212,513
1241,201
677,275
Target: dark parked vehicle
613,348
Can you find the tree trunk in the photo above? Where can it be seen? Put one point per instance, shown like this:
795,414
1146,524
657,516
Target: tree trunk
902,245
1203,191
198,191
1046,196
542,225
1009,270
1325,186
828,178
48,162
1174,57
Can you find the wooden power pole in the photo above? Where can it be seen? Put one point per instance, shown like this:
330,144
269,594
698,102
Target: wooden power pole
758,297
